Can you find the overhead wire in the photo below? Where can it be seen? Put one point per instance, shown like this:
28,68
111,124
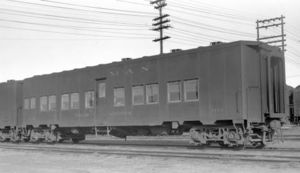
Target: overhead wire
196,34
179,20
184,10
179,42
70,33
228,31
294,76
289,32
196,3
21,13
70,27
186,37
101,8
134,3
79,9
193,10
211,28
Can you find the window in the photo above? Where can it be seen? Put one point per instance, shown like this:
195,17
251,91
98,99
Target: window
75,101
52,103
26,104
89,99
119,97
101,90
43,104
32,103
138,95
191,90
174,91
65,102
152,94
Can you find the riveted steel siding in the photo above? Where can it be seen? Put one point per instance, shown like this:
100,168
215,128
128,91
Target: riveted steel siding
219,74
221,71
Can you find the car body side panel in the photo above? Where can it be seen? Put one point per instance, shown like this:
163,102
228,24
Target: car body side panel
229,86
8,104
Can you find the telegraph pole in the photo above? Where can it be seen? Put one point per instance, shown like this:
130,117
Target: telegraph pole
269,23
274,40
161,22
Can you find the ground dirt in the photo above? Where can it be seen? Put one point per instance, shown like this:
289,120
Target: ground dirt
12,161
45,162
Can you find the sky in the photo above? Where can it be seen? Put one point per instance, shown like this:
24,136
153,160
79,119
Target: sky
45,36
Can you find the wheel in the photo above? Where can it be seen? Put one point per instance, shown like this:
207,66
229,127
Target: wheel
2,139
221,143
60,140
75,140
259,145
239,147
35,137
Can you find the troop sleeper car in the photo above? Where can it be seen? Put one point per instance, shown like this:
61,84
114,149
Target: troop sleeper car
230,93
296,105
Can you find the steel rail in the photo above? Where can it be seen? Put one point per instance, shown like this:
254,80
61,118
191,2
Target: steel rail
167,153
179,144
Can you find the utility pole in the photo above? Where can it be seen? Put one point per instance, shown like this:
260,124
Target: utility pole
274,71
269,23
161,22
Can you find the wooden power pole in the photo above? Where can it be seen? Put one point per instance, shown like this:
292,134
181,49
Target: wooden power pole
160,22
271,23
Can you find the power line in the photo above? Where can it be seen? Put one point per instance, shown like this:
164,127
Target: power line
212,28
293,53
179,42
234,16
191,7
193,11
101,8
187,38
69,33
219,8
294,76
293,36
71,27
293,27
78,9
135,3
69,19
197,34
186,22
41,14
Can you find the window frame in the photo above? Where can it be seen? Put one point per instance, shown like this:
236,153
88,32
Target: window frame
114,96
93,99
71,101
180,92
32,100
184,90
132,95
54,101
62,102
26,103
44,98
147,101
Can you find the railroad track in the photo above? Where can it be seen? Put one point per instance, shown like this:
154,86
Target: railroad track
178,144
165,152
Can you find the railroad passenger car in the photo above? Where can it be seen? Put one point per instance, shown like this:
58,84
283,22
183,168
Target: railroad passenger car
231,93
297,105
10,107
290,94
